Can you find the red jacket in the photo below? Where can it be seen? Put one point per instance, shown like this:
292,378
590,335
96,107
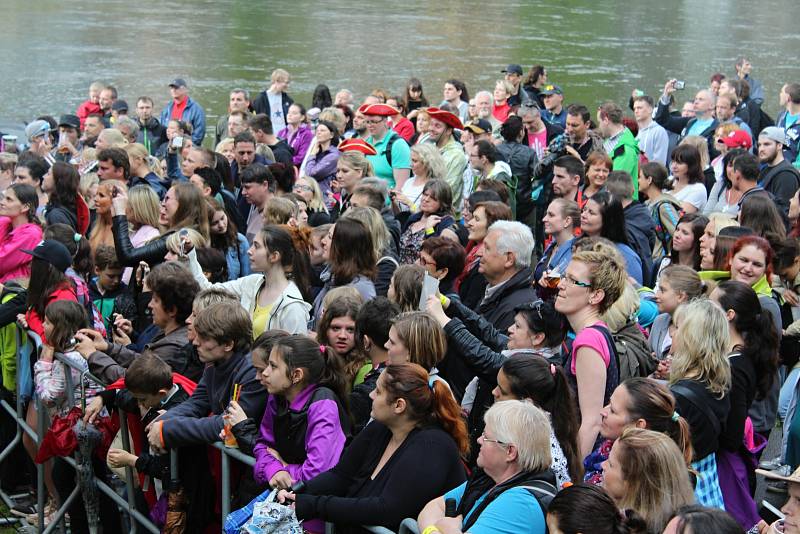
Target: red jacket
36,323
404,128
87,108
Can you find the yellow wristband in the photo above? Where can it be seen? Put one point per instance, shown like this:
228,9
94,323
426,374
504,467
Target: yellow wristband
444,301
430,530
414,207
429,231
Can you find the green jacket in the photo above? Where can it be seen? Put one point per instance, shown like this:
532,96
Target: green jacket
625,157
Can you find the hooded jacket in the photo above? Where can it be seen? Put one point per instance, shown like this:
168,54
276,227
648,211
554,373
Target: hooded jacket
641,232
150,135
78,219
290,312
625,157
522,160
13,262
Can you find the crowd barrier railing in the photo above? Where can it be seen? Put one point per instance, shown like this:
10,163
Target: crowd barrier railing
29,346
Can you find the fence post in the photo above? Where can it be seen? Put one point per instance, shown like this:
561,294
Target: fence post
129,489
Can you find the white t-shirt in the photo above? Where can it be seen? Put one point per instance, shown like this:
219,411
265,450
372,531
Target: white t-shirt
694,194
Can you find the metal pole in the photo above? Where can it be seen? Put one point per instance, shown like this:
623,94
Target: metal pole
226,486
126,444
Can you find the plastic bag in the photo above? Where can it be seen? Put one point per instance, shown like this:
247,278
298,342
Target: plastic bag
263,515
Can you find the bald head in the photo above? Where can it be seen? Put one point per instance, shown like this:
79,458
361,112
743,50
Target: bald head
704,103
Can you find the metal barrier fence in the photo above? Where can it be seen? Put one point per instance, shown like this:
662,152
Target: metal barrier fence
28,349
29,346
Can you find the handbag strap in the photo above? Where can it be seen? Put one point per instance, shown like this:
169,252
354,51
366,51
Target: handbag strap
690,395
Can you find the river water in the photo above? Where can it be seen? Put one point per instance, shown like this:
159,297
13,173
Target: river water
53,49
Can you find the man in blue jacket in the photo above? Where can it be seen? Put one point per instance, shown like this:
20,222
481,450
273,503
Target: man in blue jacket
181,107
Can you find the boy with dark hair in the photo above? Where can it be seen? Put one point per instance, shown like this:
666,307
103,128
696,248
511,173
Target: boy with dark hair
107,291
149,388
372,332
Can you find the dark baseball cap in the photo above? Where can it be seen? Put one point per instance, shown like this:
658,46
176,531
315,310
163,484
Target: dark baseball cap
69,121
119,105
513,69
178,82
479,126
551,89
53,253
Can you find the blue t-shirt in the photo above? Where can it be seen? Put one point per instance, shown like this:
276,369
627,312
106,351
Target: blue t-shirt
699,126
515,511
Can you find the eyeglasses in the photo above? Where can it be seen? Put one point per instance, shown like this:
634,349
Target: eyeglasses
425,263
489,440
572,281
298,187
373,121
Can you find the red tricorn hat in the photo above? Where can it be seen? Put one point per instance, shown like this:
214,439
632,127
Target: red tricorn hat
357,145
446,117
382,110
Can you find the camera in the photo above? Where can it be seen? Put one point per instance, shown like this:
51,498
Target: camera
556,149
680,85
177,141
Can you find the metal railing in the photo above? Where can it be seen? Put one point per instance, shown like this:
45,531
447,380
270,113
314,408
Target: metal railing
28,348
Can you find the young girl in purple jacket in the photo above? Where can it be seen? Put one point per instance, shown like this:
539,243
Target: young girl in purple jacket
303,430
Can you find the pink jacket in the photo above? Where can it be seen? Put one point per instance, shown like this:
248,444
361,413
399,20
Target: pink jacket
13,262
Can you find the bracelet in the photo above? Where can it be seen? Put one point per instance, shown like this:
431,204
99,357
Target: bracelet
444,301
430,530
429,231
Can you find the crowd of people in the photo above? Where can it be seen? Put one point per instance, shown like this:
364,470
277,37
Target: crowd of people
505,313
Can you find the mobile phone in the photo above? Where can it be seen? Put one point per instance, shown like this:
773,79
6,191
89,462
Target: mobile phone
177,141
183,233
430,286
114,191
680,85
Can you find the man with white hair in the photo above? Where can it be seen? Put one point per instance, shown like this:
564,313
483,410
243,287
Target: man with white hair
127,127
506,264
344,98
483,106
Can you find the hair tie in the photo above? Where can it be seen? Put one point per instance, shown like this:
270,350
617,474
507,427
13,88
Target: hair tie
675,416
431,380
552,369
322,349
77,237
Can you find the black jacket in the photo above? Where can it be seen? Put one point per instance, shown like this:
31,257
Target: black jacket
499,308
472,288
522,160
387,265
151,134
782,182
152,252
641,232
680,125
261,104
283,152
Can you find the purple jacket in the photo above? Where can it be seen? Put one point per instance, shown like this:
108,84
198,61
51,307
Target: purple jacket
13,262
299,141
324,439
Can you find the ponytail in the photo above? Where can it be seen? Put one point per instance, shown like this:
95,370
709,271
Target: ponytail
428,400
587,508
448,413
655,404
754,324
546,385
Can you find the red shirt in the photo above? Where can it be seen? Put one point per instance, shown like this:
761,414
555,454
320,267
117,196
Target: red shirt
404,128
178,107
501,112
36,323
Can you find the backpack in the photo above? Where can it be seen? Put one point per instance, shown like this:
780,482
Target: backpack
393,136
663,236
631,352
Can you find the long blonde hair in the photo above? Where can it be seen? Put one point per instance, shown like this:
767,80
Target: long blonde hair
143,206
701,345
101,233
317,202
358,162
655,474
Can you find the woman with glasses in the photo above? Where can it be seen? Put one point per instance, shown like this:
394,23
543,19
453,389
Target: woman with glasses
434,216
309,189
508,491
409,454
592,282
